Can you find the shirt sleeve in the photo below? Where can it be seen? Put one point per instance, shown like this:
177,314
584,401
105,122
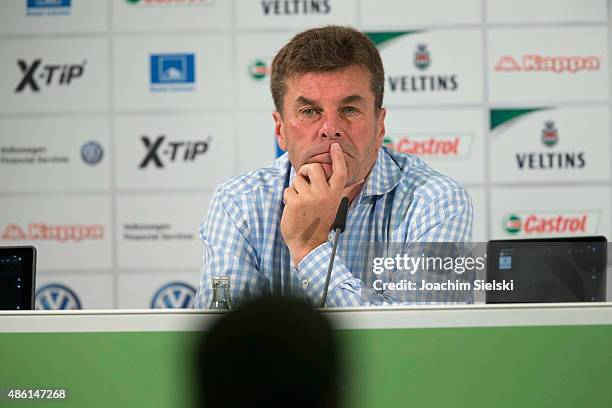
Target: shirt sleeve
446,218
228,252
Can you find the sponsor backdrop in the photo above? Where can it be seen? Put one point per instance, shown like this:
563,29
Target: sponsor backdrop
118,119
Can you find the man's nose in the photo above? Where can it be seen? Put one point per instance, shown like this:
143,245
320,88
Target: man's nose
332,127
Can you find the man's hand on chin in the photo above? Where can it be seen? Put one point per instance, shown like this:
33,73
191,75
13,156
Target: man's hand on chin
311,204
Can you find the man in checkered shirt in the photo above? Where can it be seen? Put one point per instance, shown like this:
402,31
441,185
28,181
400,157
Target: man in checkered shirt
268,230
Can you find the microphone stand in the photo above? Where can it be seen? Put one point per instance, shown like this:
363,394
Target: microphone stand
338,227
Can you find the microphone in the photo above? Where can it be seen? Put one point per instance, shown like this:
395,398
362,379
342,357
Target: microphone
338,227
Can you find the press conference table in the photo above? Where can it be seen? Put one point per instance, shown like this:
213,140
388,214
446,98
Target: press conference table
553,355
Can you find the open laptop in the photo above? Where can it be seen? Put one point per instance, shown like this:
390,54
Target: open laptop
548,270
17,277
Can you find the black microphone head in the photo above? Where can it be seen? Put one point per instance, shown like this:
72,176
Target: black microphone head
340,221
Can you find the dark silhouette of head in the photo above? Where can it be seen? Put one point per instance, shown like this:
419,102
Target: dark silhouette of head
271,352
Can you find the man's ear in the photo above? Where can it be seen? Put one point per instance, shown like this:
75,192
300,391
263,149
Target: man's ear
278,130
380,126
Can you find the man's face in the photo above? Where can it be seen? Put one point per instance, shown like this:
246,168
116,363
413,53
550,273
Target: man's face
325,107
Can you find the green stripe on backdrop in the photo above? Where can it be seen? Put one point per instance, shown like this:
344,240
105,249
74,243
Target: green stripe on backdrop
498,117
557,366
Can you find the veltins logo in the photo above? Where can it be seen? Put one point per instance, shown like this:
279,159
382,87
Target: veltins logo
294,8
259,69
172,72
548,223
36,74
457,145
92,152
550,158
48,7
548,63
57,297
174,295
419,81
422,59
171,151
550,136
47,232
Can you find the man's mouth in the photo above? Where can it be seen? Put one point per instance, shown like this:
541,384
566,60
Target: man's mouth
323,158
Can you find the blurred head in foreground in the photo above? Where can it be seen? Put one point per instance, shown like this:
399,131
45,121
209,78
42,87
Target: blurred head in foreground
271,352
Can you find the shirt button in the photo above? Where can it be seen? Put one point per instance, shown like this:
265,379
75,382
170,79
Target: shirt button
305,283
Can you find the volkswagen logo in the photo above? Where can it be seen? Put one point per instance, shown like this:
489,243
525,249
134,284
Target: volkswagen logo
174,295
57,297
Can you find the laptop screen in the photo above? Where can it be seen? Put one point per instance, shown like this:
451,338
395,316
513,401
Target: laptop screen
17,274
548,270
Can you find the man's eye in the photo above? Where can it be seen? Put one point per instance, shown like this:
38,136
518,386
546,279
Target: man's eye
350,110
309,112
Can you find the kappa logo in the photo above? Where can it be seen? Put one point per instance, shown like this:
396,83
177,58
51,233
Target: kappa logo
172,69
544,63
259,69
550,136
174,295
422,59
46,232
186,151
57,297
92,152
37,74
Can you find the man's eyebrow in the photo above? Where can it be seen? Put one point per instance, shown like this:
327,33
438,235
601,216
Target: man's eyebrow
301,100
352,98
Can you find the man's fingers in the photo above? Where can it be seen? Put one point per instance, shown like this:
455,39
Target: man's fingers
300,184
289,195
315,173
338,178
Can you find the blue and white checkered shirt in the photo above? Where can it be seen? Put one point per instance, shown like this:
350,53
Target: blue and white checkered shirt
402,201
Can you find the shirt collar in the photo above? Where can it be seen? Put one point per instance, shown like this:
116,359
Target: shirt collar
385,175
